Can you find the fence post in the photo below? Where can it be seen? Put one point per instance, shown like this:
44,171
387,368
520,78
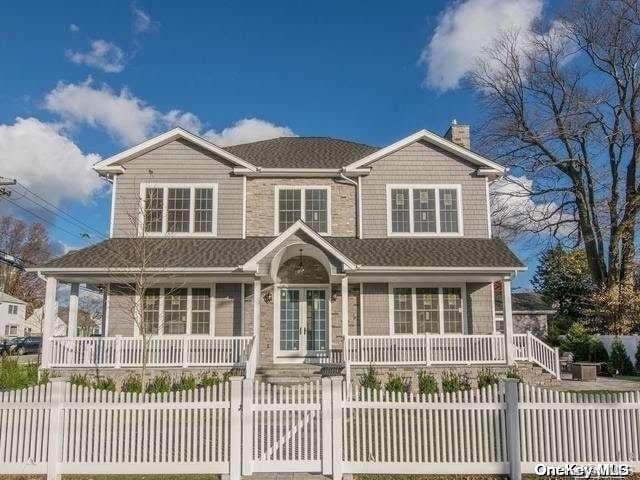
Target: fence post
336,427
512,426
58,387
118,355
327,461
235,429
247,426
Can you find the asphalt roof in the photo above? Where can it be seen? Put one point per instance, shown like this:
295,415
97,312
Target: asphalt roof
301,152
6,298
231,252
525,302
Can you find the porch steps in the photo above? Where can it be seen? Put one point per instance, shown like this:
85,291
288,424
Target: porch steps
288,374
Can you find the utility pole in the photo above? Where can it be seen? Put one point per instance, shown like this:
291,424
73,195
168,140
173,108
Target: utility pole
4,182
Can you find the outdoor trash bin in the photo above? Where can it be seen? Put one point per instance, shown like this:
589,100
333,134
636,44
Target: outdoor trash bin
585,372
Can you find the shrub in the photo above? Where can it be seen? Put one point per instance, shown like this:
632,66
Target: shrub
105,383
80,380
370,379
185,382
513,373
209,379
427,383
583,346
619,361
132,384
14,375
159,384
487,377
598,352
396,384
454,382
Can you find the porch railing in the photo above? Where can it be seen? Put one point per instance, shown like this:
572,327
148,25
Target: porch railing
174,351
448,350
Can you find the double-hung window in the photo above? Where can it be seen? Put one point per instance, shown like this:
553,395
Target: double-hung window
310,204
13,309
178,311
424,210
427,310
175,209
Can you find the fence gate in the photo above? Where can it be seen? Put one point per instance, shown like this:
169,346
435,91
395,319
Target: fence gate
287,428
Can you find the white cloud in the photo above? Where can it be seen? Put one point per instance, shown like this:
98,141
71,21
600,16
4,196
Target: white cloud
46,161
74,28
465,29
125,117
248,130
106,56
142,21
131,120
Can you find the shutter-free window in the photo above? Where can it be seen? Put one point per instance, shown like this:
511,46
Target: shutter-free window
289,208
402,310
200,310
151,311
448,210
427,310
178,209
153,206
315,213
175,312
400,210
203,210
452,310
424,210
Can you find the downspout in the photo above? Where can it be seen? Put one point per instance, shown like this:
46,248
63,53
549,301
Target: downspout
358,201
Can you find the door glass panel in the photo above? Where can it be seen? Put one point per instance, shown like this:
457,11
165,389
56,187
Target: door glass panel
428,318
452,310
289,320
316,320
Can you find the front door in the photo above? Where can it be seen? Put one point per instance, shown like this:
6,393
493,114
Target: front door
303,322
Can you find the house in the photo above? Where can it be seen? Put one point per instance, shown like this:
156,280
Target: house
12,313
87,325
530,314
297,250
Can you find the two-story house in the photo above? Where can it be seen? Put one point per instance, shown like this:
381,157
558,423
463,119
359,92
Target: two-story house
12,313
295,250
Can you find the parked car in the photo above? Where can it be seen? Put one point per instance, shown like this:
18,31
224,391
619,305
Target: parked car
25,345
7,345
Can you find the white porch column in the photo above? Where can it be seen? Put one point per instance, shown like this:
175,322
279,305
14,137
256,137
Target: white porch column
345,306
508,320
72,326
48,320
257,288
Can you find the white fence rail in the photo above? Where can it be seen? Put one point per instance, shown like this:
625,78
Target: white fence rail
447,350
165,351
242,427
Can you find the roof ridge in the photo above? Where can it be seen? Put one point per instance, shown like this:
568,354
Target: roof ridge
302,137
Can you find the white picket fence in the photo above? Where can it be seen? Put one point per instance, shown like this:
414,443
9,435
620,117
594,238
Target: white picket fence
242,427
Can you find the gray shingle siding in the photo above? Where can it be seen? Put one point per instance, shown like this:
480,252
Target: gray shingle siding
420,163
178,162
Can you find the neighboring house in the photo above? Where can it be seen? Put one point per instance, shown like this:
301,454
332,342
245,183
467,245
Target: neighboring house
283,251
530,314
33,324
12,313
87,325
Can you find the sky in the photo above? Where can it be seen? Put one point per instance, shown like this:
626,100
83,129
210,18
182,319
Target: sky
86,80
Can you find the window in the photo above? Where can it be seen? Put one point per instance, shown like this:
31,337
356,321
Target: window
176,209
13,309
312,205
424,210
11,331
424,310
166,311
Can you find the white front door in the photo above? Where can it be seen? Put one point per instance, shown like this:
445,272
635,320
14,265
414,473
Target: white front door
303,325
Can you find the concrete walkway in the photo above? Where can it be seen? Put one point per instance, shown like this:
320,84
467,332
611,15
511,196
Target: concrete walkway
601,383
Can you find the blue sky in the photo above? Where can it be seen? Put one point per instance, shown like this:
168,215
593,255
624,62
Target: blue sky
91,78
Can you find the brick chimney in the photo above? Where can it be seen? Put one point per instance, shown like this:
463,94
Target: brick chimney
459,134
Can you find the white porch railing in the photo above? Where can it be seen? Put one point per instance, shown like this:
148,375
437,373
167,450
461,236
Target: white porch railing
174,351
447,350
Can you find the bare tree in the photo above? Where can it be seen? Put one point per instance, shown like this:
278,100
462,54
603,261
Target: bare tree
562,111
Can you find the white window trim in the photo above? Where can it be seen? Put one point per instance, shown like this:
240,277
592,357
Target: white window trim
212,312
166,187
276,214
7,330
414,305
437,188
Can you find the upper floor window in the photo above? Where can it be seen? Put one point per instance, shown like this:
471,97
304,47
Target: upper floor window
424,210
179,209
13,309
311,204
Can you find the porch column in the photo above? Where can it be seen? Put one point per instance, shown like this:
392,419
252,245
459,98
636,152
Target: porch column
508,320
345,306
257,288
72,326
48,321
